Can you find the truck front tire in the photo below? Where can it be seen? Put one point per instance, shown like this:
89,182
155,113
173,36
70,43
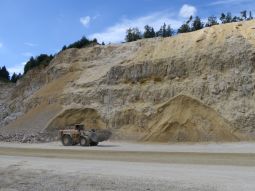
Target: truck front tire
67,140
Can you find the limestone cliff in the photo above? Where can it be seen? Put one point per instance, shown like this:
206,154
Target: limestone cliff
123,87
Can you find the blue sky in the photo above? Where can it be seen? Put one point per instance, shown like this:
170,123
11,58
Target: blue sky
31,27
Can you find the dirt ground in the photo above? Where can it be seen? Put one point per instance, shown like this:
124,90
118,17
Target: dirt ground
207,147
128,166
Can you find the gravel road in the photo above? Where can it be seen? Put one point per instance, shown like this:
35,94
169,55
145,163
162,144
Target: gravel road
126,166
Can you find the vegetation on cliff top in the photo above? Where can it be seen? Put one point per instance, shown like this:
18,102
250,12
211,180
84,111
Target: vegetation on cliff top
83,42
41,60
192,24
44,59
132,34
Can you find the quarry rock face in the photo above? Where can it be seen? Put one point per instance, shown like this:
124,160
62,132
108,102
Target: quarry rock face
134,89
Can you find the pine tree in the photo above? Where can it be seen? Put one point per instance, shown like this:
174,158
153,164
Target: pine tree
222,17
190,19
226,18
64,48
4,74
169,31
94,41
129,37
236,19
212,20
197,24
1,74
19,75
165,31
162,31
184,28
244,15
14,77
250,16
159,33
133,34
148,32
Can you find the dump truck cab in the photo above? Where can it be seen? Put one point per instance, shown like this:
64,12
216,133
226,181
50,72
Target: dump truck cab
79,127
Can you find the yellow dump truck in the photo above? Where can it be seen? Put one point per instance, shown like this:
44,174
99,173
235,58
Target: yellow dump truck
77,134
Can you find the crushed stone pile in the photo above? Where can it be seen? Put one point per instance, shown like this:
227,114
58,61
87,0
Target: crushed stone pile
185,119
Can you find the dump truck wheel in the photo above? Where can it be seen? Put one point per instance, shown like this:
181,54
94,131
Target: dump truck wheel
67,140
93,143
84,141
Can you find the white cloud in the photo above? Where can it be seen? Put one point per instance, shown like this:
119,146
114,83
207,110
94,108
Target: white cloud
116,33
18,68
85,21
30,44
187,11
1,45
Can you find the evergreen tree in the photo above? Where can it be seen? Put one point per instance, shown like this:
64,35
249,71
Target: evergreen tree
133,34
64,48
184,28
162,31
197,24
1,75
226,18
4,74
165,31
94,41
222,17
29,65
159,33
244,15
250,16
19,76
190,19
169,31
236,19
103,43
211,21
148,32
129,35
14,77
